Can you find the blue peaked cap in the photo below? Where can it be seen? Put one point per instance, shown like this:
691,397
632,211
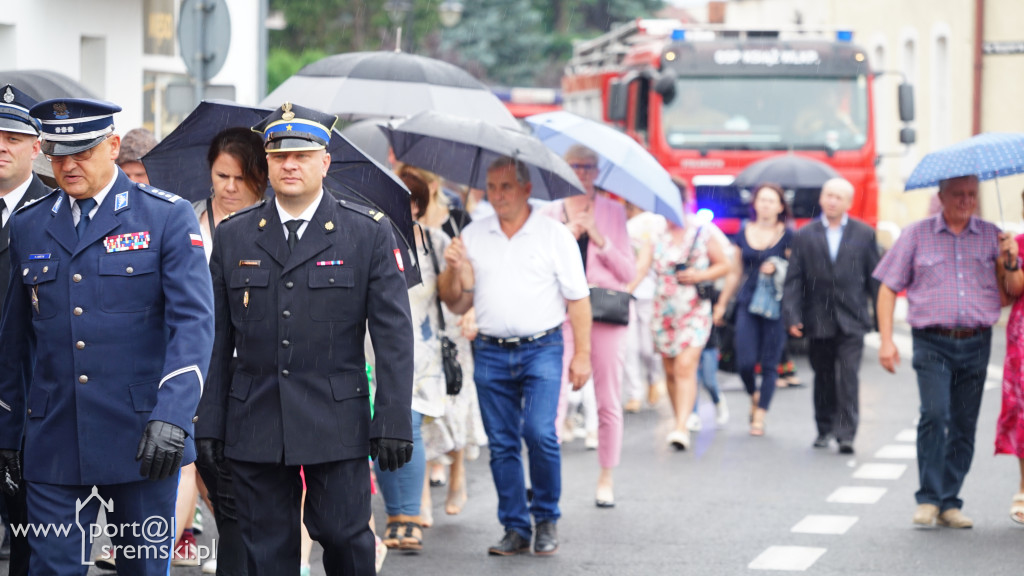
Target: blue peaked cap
14,116
73,125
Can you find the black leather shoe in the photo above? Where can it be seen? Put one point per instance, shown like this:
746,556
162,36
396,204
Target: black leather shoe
545,542
513,543
821,441
845,447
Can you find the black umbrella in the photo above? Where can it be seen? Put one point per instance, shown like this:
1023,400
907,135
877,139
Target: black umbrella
461,149
389,85
178,164
44,84
787,170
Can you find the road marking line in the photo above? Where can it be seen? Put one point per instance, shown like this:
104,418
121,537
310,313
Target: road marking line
786,558
880,471
908,435
897,452
856,495
824,524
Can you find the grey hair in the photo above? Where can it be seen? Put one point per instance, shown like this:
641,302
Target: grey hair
522,172
582,152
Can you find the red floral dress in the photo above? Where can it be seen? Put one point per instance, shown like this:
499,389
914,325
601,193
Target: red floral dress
681,318
1010,428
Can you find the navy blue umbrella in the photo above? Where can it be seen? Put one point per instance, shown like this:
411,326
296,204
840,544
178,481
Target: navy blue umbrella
178,164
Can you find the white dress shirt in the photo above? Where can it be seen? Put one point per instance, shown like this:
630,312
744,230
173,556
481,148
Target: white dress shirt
76,211
522,282
306,215
12,198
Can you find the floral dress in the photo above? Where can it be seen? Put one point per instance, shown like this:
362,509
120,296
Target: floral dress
1010,427
681,318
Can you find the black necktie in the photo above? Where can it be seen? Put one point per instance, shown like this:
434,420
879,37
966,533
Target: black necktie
3,206
293,232
85,206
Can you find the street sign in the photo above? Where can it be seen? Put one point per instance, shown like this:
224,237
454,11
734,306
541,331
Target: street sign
1016,47
204,35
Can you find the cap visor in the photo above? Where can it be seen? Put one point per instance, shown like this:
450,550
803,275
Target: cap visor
53,148
292,145
12,125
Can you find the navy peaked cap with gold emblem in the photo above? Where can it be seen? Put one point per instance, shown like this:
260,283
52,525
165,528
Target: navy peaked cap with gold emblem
72,125
14,116
293,128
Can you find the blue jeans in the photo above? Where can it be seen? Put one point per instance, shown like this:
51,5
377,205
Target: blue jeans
403,489
518,392
950,378
707,374
758,339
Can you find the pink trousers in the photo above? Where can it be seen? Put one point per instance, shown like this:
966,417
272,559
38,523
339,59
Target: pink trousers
606,341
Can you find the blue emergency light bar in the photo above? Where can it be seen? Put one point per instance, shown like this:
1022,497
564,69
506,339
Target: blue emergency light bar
844,35
678,35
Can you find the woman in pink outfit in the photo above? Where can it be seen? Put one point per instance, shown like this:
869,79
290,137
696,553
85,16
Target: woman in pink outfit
599,225
1010,428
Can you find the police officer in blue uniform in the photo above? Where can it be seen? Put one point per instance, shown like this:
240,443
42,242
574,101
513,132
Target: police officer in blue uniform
107,330
19,146
297,281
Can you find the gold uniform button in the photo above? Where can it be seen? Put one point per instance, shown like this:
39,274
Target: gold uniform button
129,270
83,379
80,345
77,311
77,277
46,269
24,272
195,419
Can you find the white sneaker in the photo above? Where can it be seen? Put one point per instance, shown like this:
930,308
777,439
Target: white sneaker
210,566
591,441
679,440
693,423
721,412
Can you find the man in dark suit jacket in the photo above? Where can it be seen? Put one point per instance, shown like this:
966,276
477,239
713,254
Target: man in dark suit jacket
297,282
19,146
828,288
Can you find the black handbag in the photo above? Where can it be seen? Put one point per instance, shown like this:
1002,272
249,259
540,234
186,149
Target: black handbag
449,353
610,306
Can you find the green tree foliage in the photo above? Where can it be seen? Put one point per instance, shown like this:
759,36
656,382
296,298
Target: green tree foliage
512,42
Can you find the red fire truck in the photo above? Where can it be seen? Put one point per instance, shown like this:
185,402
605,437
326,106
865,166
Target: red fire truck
707,102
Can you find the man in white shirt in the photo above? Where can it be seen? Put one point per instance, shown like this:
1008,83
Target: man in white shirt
519,270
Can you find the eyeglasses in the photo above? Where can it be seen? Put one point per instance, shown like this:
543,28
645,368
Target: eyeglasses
586,167
82,156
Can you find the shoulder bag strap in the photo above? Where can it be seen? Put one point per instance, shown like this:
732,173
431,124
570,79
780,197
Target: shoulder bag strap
209,215
437,272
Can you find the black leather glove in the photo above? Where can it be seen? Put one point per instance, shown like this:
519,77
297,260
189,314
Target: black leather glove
161,449
10,471
389,453
210,452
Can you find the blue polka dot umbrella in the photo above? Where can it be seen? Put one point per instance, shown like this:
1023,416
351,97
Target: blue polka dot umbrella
986,156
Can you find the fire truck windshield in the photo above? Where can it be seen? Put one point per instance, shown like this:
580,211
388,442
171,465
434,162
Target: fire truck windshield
767,113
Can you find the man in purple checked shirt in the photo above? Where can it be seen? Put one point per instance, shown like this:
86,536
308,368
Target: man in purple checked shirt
957,270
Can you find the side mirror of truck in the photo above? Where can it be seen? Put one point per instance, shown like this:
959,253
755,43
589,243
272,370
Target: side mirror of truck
906,102
908,136
665,86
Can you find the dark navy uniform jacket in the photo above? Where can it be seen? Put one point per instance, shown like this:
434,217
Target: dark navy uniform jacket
122,327
298,320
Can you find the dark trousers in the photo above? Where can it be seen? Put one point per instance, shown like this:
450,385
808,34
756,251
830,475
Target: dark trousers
268,497
758,339
16,514
836,362
139,521
950,378
230,548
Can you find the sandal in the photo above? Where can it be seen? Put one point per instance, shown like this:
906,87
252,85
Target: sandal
412,539
1017,510
757,424
392,537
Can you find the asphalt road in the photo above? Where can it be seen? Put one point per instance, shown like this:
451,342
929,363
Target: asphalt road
736,504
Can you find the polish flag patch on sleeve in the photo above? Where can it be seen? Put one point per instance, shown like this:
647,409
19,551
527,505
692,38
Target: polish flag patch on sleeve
197,240
398,260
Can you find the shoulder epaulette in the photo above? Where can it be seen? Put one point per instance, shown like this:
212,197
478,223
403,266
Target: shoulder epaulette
244,210
372,213
166,196
34,201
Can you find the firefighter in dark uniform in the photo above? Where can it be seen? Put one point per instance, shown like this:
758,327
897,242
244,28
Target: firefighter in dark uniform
107,330
297,282
19,146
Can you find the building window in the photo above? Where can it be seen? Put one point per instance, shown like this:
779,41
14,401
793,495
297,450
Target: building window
158,27
93,72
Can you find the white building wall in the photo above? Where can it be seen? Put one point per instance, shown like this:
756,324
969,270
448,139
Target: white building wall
51,35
